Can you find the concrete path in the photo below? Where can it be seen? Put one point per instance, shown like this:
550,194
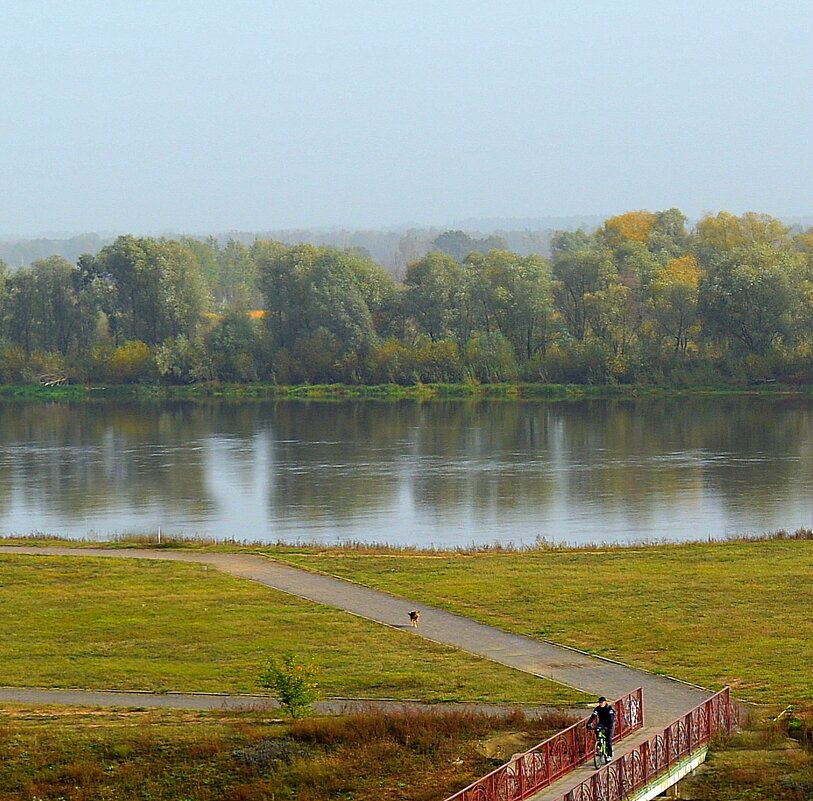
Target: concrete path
136,699
664,699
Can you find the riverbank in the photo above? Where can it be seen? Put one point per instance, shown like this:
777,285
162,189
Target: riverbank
390,392
765,770
57,752
689,610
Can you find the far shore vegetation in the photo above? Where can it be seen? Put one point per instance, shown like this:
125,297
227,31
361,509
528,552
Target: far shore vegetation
643,300
464,391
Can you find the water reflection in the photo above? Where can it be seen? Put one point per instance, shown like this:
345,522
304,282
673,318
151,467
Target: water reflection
432,473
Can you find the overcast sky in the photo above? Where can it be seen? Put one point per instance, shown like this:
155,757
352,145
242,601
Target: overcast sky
202,116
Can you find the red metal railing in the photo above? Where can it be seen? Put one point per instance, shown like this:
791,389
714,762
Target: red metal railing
658,754
543,764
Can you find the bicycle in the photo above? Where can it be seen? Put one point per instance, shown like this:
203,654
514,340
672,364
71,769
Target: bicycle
600,754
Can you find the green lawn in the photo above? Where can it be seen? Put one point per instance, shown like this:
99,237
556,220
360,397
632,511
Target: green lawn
149,625
724,613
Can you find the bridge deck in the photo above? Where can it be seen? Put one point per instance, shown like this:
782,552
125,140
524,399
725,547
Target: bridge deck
576,777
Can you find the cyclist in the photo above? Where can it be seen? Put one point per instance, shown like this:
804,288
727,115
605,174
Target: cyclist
604,715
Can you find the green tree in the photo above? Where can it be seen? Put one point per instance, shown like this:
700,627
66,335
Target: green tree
238,276
669,237
3,296
751,296
459,244
318,301
490,358
21,305
183,292
156,290
674,297
433,285
233,347
579,273
293,681
515,296
207,255
182,361
614,317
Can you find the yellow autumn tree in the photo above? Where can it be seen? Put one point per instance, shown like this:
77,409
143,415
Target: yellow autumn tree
726,231
673,300
633,225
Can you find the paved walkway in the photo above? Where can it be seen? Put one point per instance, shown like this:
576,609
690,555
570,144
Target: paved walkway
137,699
664,699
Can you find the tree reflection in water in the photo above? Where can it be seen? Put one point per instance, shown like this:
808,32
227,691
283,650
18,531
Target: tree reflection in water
444,473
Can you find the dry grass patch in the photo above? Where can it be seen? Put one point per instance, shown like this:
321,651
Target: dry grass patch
165,756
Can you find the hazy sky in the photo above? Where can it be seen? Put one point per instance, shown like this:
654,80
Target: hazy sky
201,116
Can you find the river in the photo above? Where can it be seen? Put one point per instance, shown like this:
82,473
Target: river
408,473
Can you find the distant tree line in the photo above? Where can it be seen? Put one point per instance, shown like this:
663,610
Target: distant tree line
643,298
393,249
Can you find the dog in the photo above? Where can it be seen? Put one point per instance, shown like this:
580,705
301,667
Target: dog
414,618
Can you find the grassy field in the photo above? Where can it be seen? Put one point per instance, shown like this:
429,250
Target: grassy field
86,755
148,625
719,613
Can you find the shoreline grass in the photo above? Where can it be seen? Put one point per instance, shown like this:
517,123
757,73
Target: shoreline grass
691,609
196,542
471,391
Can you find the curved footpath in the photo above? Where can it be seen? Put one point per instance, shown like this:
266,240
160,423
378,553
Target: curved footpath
665,699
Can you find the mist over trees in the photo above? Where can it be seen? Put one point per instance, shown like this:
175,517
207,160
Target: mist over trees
392,248
644,298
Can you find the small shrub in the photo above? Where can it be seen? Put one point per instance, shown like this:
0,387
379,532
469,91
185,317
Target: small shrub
293,682
131,362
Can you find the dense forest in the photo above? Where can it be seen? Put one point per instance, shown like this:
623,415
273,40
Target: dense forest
642,299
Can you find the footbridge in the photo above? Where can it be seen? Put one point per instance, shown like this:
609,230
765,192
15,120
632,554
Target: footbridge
649,763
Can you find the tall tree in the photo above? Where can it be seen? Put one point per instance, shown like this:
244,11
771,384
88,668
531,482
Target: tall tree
318,305
432,300
56,305
516,296
673,301
156,289
726,232
238,276
751,296
579,273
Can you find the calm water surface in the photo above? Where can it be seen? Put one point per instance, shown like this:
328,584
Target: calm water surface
408,473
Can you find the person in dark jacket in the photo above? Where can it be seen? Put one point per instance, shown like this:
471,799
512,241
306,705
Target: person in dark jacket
604,717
